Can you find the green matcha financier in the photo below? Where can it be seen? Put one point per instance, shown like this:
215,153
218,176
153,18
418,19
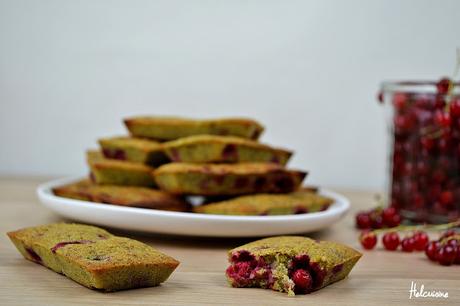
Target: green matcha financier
107,171
170,128
292,264
227,179
300,201
93,257
130,196
138,150
223,149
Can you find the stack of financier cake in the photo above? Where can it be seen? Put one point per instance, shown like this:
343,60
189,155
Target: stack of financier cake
166,159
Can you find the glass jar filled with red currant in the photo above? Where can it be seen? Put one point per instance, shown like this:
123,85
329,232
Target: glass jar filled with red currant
424,184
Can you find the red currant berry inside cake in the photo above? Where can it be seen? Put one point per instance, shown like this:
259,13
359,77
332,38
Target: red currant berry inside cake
296,265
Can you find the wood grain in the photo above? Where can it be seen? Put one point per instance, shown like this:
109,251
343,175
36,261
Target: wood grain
379,278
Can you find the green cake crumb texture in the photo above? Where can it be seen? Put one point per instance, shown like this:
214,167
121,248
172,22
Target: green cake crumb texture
227,179
118,172
122,195
327,261
93,257
211,148
301,201
137,150
170,128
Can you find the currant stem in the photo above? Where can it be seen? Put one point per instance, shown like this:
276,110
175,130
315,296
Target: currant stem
427,227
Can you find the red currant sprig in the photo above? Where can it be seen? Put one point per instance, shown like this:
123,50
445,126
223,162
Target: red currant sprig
377,218
445,250
418,241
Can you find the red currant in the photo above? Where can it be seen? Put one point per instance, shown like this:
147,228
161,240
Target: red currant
377,221
440,102
390,217
443,86
302,280
447,233
421,240
402,123
363,221
442,118
391,241
446,198
457,258
427,143
368,240
387,213
408,244
453,242
399,100
431,250
395,221
446,255
455,108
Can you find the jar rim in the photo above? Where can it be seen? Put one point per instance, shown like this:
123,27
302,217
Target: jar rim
415,86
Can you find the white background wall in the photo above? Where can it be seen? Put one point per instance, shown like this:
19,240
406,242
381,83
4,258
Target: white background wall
309,70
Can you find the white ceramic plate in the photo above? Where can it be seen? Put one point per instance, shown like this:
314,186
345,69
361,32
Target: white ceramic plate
190,224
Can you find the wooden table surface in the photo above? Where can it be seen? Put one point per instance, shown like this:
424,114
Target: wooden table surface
379,278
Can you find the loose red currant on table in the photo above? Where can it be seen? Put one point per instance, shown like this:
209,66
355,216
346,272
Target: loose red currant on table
421,240
377,221
408,244
431,250
363,221
391,241
446,255
457,258
453,242
368,240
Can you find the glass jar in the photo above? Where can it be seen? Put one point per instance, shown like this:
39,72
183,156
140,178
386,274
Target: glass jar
424,163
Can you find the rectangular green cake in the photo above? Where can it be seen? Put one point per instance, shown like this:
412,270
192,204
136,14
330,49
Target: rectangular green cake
137,150
291,264
118,172
169,128
227,179
93,257
131,196
298,202
223,149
